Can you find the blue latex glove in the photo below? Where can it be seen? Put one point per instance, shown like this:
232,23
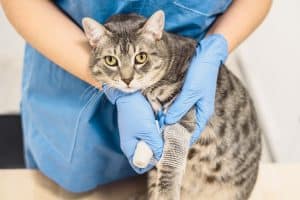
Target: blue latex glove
199,88
136,122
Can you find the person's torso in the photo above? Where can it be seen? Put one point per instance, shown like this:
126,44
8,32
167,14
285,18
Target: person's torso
190,18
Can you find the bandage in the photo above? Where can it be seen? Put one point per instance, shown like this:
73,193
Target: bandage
142,155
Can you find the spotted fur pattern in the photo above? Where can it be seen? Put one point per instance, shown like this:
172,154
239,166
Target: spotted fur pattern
223,163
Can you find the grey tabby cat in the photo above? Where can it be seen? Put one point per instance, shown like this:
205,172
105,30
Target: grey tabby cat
131,53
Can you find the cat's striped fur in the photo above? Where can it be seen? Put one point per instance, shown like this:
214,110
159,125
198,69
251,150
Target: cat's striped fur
223,163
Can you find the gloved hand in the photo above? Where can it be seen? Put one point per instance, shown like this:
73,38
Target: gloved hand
200,83
136,123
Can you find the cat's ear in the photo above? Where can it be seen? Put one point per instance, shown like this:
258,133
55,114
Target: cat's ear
93,30
154,26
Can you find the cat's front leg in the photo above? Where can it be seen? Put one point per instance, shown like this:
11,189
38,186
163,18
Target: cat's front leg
172,164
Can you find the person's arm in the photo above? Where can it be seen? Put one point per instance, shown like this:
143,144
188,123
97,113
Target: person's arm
52,33
240,20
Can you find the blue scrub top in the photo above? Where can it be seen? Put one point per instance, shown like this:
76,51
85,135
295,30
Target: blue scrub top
70,128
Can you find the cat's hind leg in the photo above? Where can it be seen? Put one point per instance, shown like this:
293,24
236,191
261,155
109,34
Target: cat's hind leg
172,165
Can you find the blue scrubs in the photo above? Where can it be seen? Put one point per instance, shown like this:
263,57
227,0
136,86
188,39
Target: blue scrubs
70,128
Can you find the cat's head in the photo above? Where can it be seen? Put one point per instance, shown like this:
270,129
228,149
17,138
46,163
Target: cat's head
128,51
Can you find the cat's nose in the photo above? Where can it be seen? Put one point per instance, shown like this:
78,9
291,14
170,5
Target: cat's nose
127,80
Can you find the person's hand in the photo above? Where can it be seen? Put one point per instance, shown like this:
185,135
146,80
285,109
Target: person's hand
136,123
200,83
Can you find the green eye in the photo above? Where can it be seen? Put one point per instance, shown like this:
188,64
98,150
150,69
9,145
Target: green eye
111,61
141,58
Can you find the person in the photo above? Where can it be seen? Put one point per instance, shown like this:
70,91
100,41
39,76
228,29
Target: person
73,133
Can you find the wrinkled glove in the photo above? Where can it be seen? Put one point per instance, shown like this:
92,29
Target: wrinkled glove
136,123
200,83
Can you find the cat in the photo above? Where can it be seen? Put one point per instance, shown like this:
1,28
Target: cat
132,53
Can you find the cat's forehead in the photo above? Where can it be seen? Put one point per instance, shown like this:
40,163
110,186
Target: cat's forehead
125,38
125,49
125,24
124,44
121,49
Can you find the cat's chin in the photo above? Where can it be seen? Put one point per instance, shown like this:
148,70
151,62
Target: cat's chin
129,90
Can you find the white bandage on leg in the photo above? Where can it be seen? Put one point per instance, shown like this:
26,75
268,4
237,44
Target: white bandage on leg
142,155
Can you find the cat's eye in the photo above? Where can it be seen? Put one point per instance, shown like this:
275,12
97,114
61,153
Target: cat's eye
111,61
141,58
